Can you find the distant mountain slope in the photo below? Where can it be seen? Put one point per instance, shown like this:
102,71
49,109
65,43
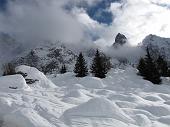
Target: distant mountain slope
48,57
158,44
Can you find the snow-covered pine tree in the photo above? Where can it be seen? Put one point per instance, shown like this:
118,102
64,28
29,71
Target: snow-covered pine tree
80,68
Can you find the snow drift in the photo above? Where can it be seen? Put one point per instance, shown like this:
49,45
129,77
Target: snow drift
96,107
15,82
35,74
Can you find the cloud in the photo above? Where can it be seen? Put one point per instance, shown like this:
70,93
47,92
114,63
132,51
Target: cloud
37,20
34,21
137,19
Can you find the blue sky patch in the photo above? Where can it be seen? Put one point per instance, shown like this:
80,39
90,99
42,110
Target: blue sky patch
3,4
100,12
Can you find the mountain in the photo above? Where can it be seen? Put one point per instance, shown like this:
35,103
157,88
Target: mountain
120,40
48,57
158,45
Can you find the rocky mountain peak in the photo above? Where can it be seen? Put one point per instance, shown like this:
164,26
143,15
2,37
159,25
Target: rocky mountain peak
120,40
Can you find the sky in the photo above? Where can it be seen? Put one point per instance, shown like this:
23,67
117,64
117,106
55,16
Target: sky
82,21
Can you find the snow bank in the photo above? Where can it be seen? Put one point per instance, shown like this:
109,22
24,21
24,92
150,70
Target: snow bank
96,107
13,82
35,74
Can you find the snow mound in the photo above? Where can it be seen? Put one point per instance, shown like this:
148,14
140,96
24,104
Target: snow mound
143,120
35,74
75,93
96,107
75,97
92,82
75,86
25,118
13,82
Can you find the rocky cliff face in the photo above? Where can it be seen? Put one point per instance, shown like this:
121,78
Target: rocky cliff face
120,40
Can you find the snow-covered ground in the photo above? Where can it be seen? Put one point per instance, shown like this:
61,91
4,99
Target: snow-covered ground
123,99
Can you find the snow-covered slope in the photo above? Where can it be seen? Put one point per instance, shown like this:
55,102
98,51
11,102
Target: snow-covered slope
123,99
160,44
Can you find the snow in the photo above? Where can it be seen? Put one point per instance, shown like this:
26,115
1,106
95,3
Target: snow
93,82
35,74
161,44
165,119
20,119
123,99
13,82
96,107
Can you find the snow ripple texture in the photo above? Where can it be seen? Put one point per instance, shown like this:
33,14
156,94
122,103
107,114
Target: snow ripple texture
123,99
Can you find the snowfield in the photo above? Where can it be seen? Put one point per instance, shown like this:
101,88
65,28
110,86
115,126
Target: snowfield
123,99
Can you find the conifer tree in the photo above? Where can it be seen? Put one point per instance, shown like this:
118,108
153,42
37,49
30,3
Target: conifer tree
142,67
100,66
80,68
148,69
162,66
63,69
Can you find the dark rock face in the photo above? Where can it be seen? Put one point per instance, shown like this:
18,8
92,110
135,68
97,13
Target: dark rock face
120,40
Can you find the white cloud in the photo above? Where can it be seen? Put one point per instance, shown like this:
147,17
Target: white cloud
137,19
47,20
42,20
